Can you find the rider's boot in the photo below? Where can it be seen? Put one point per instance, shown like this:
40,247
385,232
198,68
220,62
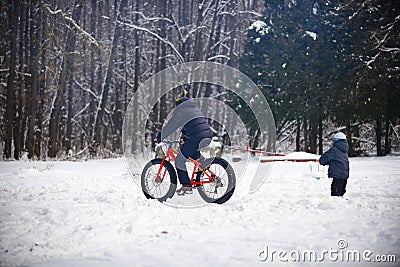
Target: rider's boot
185,189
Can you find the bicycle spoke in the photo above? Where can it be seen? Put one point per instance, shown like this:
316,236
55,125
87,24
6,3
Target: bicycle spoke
157,187
216,188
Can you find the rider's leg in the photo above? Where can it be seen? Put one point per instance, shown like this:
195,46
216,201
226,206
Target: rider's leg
181,169
201,144
189,149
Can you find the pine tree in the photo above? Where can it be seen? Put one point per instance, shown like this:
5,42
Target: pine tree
291,55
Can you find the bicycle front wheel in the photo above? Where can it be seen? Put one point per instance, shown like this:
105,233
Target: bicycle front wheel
158,181
224,181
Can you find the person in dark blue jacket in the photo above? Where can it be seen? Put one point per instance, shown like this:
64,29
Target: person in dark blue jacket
196,134
337,159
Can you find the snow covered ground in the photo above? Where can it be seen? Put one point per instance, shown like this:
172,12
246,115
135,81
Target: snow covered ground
93,214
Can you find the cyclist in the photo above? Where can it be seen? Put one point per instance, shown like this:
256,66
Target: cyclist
196,134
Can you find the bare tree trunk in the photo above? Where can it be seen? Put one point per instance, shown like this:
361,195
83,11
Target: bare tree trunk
34,70
388,145
378,132
20,119
356,144
349,135
305,134
137,49
163,60
65,77
68,133
55,117
93,81
211,39
27,85
39,116
233,28
99,117
320,140
13,15
198,46
313,135
117,119
298,134
136,68
256,134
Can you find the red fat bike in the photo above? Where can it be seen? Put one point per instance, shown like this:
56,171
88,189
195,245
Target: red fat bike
214,178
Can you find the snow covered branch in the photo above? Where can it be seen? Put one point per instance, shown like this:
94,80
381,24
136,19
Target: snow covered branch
171,45
72,22
251,13
90,92
388,32
218,56
152,19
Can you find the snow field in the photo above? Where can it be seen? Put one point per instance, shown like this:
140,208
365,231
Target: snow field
93,214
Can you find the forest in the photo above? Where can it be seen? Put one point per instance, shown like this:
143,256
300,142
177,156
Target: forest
68,69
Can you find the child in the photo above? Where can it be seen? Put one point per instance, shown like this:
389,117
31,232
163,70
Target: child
337,159
196,135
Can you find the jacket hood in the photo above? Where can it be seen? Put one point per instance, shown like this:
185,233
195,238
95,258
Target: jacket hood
342,145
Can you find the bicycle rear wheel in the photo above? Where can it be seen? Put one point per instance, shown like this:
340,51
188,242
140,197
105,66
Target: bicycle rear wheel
221,189
161,187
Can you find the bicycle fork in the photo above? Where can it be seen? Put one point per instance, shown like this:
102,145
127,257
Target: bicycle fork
159,179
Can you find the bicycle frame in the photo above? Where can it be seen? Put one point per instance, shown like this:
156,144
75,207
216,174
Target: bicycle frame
171,155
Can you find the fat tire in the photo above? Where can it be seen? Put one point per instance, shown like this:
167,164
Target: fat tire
172,174
230,187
